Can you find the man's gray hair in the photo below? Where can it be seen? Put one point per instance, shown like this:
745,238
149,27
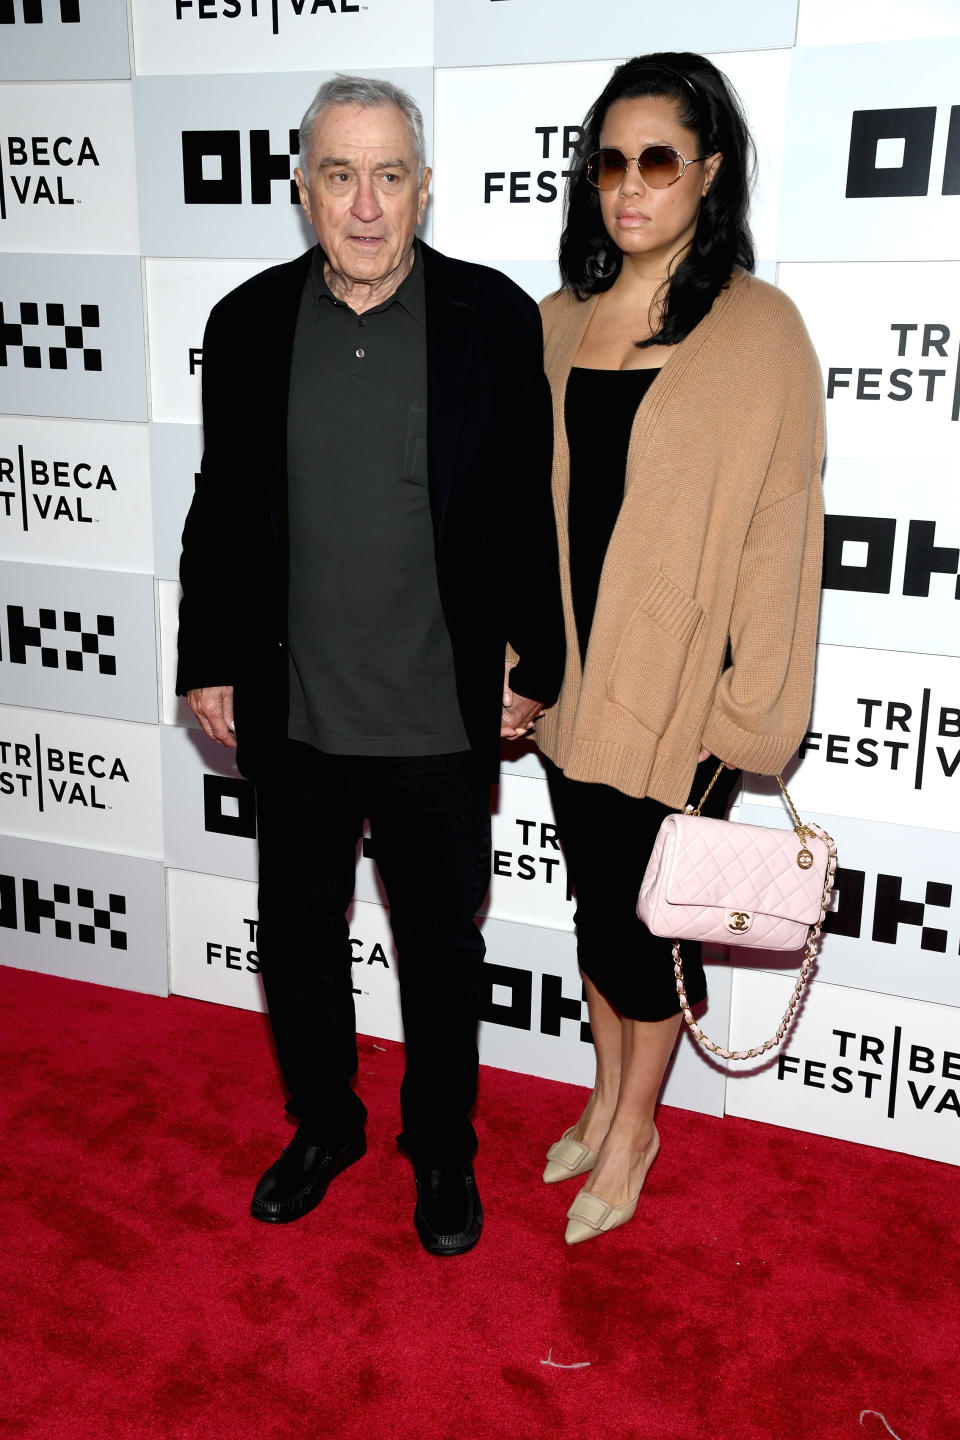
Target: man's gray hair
371,94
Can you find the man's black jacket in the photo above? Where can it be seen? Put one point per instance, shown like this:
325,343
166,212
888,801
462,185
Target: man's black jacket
489,448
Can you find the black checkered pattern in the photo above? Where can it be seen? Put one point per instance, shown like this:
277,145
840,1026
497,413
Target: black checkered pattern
37,908
58,356
76,643
102,920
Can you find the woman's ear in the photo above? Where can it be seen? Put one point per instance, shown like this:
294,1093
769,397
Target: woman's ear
710,167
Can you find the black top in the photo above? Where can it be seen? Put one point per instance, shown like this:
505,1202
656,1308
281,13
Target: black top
599,410
371,665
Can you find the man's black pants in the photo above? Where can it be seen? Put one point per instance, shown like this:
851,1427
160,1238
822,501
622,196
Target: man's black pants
430,825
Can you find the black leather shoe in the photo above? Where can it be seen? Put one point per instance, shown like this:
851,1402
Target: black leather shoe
298,1181
449,1216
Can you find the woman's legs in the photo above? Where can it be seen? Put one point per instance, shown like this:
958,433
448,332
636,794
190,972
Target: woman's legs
646,1047
606,1024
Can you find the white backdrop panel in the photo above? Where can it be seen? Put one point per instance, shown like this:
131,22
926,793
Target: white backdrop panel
888,338
175,454
213,954
474,32
836,22
66,158
892,555
499,186
871,1068
883,742
209,808
64,40
84,915
82,640
75,492
188,37
180,296
81,781
174,709
868,174
221,151
73,337
894,925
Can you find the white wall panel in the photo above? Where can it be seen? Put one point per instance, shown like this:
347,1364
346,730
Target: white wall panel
180,296
66,158
883,742
870,1068
221,151
63,40
81,640
839,22
894,922
474,32
499,186
66,910
872,157
888,338
80,780
187,37
72,336
75,492
892,555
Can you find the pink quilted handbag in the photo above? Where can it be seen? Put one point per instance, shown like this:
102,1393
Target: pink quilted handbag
740,885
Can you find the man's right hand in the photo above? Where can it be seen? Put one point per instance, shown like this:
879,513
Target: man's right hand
213,707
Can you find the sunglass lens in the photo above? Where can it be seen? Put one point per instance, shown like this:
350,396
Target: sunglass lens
608,169
660,165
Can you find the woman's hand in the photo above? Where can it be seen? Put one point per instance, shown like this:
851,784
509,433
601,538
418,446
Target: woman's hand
706,754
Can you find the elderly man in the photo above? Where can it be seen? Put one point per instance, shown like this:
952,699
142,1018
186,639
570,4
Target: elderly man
372,536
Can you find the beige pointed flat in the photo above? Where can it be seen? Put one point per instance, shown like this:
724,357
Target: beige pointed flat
567,1158
590,1216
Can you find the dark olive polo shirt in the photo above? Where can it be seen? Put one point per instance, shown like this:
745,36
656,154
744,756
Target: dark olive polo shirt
371,665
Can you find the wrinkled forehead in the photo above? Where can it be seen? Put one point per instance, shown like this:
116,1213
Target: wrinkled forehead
368,134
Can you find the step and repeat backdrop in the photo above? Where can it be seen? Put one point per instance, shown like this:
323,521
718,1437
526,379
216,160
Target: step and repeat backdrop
146,160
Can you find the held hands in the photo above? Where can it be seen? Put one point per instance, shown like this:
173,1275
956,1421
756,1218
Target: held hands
213,707
518,713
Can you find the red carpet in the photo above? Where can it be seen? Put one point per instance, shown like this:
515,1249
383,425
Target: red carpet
773,1286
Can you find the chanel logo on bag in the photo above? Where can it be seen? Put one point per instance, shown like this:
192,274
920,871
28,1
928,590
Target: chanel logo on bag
738,921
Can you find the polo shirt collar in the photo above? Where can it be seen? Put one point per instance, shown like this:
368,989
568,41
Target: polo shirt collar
410,294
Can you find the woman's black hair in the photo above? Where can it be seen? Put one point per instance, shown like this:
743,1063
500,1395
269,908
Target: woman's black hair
709,106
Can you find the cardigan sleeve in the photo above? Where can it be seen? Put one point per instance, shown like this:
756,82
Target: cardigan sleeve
761,705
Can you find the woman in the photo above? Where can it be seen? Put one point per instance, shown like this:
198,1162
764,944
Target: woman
688,444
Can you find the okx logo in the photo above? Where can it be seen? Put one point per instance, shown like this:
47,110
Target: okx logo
32,11
21,337
229,806
59,637
23,906
891,153
858,554
212,166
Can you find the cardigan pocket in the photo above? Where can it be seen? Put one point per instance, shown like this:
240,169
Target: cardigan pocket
647,671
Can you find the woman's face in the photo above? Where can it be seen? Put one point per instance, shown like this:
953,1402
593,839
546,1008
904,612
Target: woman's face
653,225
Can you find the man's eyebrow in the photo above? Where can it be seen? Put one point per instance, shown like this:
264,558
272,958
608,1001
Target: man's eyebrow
339,163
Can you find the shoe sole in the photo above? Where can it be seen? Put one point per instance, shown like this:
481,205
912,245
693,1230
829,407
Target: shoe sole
431,1248
343,1162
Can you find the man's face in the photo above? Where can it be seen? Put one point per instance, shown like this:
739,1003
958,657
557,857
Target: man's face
361,194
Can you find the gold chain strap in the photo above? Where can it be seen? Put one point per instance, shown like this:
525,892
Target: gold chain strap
809,954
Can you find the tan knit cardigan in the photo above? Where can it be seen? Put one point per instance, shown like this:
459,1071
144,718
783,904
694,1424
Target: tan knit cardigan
719,536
